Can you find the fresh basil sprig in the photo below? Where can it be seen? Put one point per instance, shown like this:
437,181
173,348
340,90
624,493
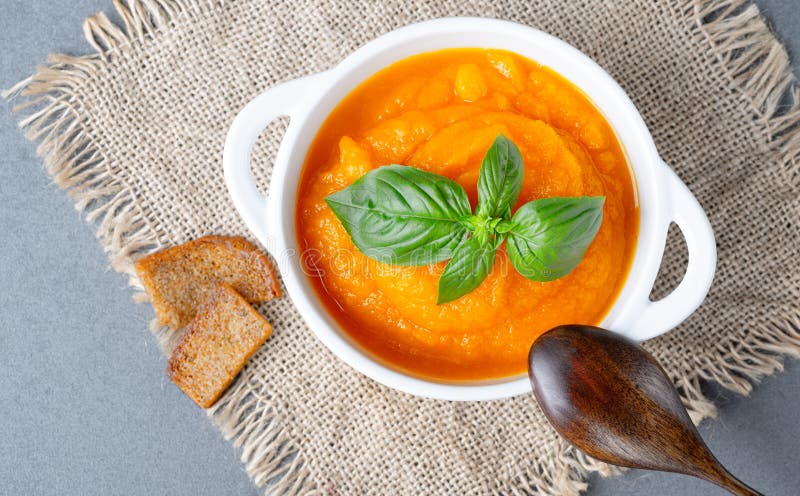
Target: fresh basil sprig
549,237
471,263
406,216
402,215
500,179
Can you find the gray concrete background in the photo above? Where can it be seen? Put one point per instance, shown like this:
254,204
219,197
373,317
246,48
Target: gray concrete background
85,407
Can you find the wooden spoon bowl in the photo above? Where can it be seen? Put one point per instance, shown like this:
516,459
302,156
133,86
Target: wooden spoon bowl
610,398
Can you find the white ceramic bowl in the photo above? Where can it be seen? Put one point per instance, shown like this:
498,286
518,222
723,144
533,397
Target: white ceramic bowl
663,198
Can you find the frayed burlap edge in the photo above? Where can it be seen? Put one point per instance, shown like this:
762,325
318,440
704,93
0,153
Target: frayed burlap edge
754,61
758,68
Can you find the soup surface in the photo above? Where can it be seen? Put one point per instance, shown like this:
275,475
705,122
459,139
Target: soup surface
440,111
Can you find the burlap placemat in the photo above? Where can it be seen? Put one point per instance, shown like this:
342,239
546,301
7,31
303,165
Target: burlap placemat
135,132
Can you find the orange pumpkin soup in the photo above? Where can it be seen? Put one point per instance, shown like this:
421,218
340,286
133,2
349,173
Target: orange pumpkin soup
440,111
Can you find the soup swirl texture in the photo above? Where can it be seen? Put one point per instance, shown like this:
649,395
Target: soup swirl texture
440,111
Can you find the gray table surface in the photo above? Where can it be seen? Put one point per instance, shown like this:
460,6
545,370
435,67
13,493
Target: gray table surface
85,407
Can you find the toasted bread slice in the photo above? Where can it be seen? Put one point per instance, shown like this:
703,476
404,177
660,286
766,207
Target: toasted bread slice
216,345
178,279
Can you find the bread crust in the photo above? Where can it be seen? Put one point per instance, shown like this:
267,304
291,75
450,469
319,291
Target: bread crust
179,278
216,345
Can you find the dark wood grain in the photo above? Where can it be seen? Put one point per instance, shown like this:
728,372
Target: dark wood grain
612,400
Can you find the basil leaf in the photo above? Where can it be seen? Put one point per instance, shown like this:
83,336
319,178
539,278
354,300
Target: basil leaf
402,215
500,179
550,236
471,263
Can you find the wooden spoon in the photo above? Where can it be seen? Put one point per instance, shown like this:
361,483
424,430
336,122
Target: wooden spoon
610,398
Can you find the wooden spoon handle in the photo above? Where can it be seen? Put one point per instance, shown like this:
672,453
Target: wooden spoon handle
724,479
739,488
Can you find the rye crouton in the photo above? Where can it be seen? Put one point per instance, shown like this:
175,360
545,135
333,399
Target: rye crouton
178,279
216,345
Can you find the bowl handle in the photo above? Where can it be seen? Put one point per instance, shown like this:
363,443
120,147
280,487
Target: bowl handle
289,99
662,315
